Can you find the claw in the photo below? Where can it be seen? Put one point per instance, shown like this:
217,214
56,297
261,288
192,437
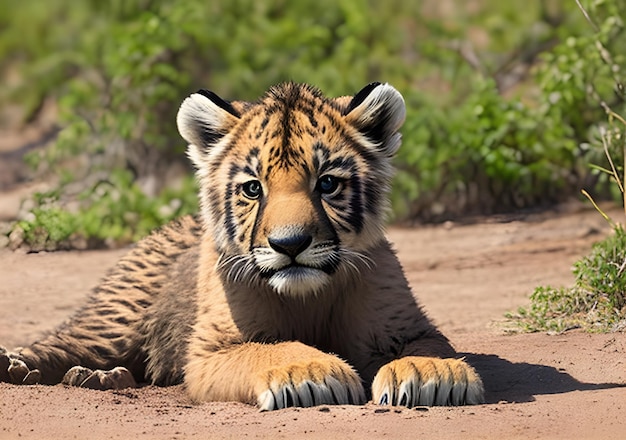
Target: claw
289,397
306,393
384,399
321,394
18,371
76,376
408,395
404,400
267,401
339,392
95,381
32,378
14,370
428,392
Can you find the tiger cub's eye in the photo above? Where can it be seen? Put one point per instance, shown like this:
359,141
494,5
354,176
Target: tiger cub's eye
252,189
329,185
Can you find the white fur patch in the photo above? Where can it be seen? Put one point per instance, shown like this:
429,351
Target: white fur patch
299,281
197,116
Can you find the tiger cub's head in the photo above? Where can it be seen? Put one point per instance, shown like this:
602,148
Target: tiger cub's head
294,186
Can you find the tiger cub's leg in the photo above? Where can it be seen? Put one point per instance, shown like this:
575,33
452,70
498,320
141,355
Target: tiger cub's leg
273,376
110,330
14,370
89,341
100,336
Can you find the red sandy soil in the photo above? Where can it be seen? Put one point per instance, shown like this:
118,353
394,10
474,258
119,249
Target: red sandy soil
570,385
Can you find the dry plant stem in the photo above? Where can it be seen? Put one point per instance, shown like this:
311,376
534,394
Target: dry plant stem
605,144
621,184
604,54
602,213
587,17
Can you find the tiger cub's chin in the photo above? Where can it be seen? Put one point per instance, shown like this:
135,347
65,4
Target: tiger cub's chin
299,281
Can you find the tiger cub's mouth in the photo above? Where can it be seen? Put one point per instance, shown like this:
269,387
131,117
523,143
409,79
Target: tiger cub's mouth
298,280
307,272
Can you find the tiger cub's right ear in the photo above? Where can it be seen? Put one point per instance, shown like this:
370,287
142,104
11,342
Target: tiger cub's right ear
204,118
378,112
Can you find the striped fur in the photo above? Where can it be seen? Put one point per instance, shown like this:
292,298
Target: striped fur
285,292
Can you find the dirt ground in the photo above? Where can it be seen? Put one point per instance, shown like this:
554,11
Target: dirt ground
571,385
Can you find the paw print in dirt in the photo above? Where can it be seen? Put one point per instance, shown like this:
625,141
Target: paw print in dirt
416,381
14,370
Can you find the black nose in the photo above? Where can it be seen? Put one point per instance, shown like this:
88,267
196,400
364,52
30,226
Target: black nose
291,245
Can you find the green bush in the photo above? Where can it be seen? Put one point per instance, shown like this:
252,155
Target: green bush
596,302
499,155
115,212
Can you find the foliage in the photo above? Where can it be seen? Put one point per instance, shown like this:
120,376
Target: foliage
48,229
596,302
509,156
502,102
106,216
490,152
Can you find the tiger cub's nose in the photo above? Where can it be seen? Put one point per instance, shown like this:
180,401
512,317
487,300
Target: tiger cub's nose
290,245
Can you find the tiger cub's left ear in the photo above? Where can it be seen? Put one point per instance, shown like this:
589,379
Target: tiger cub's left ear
378,111
203,119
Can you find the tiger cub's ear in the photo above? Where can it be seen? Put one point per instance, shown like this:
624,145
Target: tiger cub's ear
203,119
378,112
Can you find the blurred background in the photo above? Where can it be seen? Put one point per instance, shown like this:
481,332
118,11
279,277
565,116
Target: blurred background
511,105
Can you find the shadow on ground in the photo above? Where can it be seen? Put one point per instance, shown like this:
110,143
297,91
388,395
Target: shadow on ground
521,382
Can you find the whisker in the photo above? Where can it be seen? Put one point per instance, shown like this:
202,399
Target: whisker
355,261
248,269
236,267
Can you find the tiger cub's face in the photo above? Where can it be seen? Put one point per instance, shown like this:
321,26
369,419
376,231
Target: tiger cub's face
294,187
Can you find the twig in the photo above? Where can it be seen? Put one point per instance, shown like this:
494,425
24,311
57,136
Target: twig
586,14
606,217
612,114
605,144
621,268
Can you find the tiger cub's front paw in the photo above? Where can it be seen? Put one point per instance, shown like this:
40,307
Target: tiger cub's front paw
413,381
14,370
308,384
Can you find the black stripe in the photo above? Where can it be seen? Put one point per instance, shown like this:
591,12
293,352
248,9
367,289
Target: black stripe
340,163
356,206
360,96
342,220
257,221
224,105
231,227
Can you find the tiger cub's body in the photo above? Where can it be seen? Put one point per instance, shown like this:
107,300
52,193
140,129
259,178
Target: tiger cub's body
285,292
